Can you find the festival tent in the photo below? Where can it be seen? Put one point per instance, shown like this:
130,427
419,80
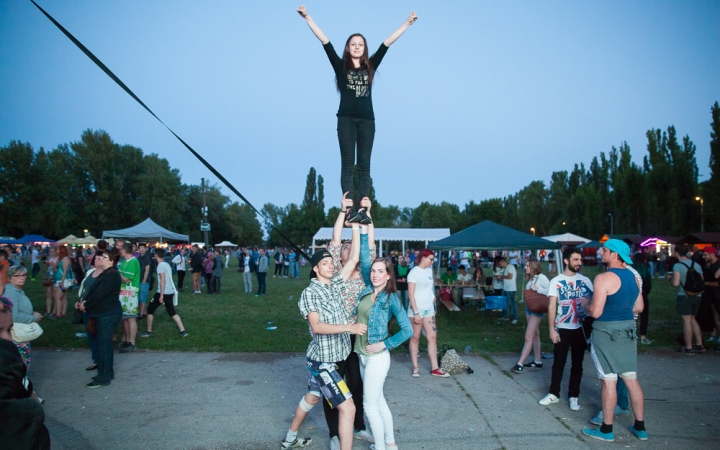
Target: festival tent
147,230
568,239
33,238
226,244
488,235
87,240
69,239
389,234
591,244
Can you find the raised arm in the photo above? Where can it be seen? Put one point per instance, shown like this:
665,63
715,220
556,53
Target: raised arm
367,204
365,262
354,257
396,34
345,203
316,29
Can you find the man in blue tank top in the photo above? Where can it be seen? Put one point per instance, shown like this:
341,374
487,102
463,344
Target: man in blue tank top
616,301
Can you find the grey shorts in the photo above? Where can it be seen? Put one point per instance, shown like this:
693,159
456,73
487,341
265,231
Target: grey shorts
688,305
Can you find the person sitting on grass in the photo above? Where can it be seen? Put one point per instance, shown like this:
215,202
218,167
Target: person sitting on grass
164,295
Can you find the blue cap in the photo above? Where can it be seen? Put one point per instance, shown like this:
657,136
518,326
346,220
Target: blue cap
619,247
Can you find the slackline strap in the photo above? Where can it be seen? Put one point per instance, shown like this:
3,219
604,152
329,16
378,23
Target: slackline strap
119,82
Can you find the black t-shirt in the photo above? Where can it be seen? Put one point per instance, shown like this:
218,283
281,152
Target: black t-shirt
709,275
355,89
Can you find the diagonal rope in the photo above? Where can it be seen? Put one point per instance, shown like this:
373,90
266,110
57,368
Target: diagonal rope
212,169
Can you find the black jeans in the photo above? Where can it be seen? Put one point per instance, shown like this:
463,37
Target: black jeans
105,328
181,279
574,340
350,370
35,270
208,277
644,315
278,269
261,282
351,132
216,282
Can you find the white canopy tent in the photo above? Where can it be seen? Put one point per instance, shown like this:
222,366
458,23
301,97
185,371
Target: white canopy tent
567,239
226,244
147,230
389,234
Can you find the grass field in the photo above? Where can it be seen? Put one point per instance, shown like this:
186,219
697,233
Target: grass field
234,322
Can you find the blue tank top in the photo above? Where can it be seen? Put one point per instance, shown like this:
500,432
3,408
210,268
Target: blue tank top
619,305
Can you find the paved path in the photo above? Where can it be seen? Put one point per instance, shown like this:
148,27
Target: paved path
169,400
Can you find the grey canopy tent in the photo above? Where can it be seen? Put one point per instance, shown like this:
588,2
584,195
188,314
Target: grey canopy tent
147,230
591,244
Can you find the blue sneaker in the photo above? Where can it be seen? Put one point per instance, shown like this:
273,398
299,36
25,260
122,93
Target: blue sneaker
596,434
642,435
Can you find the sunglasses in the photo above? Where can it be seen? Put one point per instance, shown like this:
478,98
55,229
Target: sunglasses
19,276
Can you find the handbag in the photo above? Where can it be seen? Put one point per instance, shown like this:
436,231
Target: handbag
451,362
537,303
47,282
77,317
91,325
26,332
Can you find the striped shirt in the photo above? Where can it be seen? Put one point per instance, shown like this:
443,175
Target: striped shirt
326,300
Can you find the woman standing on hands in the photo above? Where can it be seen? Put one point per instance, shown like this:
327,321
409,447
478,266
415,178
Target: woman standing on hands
354,74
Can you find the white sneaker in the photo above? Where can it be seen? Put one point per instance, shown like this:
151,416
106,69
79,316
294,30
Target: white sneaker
574,405
364,435
335,443
548,399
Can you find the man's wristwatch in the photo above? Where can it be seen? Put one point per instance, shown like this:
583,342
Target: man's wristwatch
416,313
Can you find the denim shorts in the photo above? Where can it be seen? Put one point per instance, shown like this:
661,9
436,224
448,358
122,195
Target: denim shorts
688,305
423,312
325,381
530,313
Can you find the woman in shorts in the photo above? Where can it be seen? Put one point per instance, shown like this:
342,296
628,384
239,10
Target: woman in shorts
540,284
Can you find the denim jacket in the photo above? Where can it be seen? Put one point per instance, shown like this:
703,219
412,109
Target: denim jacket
383,309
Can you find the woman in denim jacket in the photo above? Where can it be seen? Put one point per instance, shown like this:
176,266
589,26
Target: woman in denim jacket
378,303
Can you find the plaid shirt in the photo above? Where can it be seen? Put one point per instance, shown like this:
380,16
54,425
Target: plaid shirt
326,300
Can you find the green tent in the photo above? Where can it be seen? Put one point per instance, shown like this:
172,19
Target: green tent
591,244
488,235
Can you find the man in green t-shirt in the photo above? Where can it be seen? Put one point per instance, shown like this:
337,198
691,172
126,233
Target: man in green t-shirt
130,276
448,277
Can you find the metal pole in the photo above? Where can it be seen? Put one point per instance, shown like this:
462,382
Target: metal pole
205,233
612,231
702,215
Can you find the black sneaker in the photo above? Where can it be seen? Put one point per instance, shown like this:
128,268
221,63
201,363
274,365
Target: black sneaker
364,219
128,348
122,344
296,443
94,384
353,216
145,334
184,334
518,368
699,348
686,351
534,365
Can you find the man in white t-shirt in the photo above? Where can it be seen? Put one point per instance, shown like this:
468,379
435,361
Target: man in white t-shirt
421,293
508,275
35,262
165,295
565,316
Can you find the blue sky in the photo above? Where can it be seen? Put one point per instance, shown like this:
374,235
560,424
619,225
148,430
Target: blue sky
475,101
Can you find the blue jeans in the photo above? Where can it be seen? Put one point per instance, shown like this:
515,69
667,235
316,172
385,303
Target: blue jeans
106,325
294,269
142,295
511,304
92,339
403,296
261,282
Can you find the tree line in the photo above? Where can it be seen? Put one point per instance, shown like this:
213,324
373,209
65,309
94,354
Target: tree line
97,184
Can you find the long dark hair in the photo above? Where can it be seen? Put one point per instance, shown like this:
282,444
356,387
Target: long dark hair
348,63
390,286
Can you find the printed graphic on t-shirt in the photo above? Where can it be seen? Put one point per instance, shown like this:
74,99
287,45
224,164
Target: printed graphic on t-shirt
569,291
358,81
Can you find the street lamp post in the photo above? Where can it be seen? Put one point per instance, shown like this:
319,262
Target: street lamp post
702,213
533,230
612,231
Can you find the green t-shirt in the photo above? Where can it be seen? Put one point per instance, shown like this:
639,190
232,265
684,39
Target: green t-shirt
363,316
131,269
448,278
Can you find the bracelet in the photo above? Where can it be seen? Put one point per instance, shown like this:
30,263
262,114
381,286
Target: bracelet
416,313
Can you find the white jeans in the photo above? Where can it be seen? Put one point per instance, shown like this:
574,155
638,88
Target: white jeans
374,370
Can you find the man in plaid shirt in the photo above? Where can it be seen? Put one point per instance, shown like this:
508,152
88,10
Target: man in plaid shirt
322,306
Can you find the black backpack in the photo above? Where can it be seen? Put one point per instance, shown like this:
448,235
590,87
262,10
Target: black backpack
694,282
